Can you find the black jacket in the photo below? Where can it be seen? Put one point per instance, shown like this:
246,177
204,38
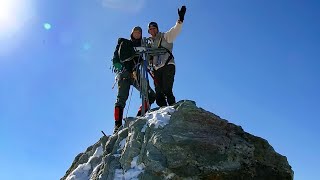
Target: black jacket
126,51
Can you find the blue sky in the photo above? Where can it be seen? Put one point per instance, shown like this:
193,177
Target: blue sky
254,63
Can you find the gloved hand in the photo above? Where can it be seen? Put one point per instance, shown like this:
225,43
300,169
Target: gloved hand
117,66
181,13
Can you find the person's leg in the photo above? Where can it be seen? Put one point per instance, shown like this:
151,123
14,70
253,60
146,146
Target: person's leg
118,115
160,96
123,93
168,80
151,95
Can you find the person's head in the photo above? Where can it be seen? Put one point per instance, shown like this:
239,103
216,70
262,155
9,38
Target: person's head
136,33
153,29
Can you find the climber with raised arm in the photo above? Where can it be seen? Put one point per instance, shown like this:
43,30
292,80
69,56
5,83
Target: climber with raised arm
164,65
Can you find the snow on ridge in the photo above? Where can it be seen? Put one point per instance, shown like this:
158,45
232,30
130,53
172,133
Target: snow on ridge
122,144
132,173
82,171
160,117
144,128
98,152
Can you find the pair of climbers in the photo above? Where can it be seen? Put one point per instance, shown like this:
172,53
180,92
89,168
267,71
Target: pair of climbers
126,64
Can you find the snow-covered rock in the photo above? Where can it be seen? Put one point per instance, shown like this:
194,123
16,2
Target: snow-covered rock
180,142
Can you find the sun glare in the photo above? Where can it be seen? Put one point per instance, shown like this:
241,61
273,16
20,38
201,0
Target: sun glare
8,21
4,12
14,16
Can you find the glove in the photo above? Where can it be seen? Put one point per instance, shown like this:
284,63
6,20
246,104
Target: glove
117,66
181,13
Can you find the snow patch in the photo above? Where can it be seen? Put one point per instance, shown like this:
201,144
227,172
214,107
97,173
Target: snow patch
160,117
170,176
144,128
96,169
122,144
132,173
116,155
98,152
82,172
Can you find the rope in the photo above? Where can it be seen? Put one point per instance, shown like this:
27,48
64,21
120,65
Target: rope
129,103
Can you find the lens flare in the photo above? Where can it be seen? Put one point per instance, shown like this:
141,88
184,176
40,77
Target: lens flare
47,26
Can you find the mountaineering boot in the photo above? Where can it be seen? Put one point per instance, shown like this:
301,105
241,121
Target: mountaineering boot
117,127
146,108
118,114
171,99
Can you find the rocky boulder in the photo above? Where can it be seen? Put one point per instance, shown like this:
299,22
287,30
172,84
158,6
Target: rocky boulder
180,142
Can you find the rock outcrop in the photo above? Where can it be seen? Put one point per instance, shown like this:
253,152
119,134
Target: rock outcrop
180,142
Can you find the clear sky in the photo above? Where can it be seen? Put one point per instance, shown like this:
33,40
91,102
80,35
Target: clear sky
255,63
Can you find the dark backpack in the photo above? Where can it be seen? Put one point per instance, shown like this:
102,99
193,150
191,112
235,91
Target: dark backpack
126,50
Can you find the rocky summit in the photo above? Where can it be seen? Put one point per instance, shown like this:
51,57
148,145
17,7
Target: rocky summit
180,142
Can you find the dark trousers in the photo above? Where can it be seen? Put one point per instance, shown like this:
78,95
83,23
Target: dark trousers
124,83
164,78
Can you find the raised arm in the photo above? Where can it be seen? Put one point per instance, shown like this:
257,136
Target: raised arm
171,35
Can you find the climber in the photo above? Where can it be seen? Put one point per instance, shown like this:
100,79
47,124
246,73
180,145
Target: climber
164,65
126,64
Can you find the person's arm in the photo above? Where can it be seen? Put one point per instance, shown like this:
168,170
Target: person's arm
171,35
116,60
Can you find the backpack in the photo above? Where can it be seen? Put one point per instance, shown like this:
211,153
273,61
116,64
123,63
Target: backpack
126,50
